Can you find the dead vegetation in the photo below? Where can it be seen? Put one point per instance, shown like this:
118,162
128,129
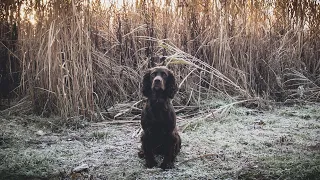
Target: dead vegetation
74,58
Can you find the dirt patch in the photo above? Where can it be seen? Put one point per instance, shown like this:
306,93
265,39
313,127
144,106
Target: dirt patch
245,144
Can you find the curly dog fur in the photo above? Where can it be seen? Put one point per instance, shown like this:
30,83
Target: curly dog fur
158,118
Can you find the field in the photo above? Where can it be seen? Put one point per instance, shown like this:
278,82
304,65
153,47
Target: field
279,143
248,74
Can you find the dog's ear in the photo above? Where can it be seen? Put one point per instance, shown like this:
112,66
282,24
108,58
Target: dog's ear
146,84
171,86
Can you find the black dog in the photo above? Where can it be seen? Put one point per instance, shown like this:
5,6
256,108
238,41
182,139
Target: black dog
158,119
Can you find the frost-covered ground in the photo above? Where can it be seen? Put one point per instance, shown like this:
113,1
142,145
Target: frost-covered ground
282,143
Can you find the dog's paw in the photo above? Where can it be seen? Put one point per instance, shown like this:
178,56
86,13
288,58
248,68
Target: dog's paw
151,163
141,154
165,166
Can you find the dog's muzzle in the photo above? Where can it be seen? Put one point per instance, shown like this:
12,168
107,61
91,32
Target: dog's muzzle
158,83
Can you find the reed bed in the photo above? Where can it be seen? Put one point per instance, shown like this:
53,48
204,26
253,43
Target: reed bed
79,58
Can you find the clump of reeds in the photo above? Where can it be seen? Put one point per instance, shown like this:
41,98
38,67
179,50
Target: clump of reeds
82,57
57,60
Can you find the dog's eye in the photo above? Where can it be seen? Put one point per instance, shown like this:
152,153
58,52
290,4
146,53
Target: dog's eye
153,75
163,74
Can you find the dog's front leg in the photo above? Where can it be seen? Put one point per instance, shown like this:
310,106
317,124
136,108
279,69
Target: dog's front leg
148,151
169,156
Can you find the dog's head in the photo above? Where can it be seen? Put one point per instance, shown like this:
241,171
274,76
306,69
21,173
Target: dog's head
161,80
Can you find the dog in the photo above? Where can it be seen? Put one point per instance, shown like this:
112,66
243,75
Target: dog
158,119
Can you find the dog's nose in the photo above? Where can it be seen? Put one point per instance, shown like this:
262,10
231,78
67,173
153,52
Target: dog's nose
157,80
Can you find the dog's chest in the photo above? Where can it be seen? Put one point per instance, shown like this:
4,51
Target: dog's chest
161,114
160,117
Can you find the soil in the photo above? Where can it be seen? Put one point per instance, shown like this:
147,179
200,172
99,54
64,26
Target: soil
280,143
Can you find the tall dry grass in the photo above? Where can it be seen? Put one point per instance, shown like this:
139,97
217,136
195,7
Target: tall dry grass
57,63
80,57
